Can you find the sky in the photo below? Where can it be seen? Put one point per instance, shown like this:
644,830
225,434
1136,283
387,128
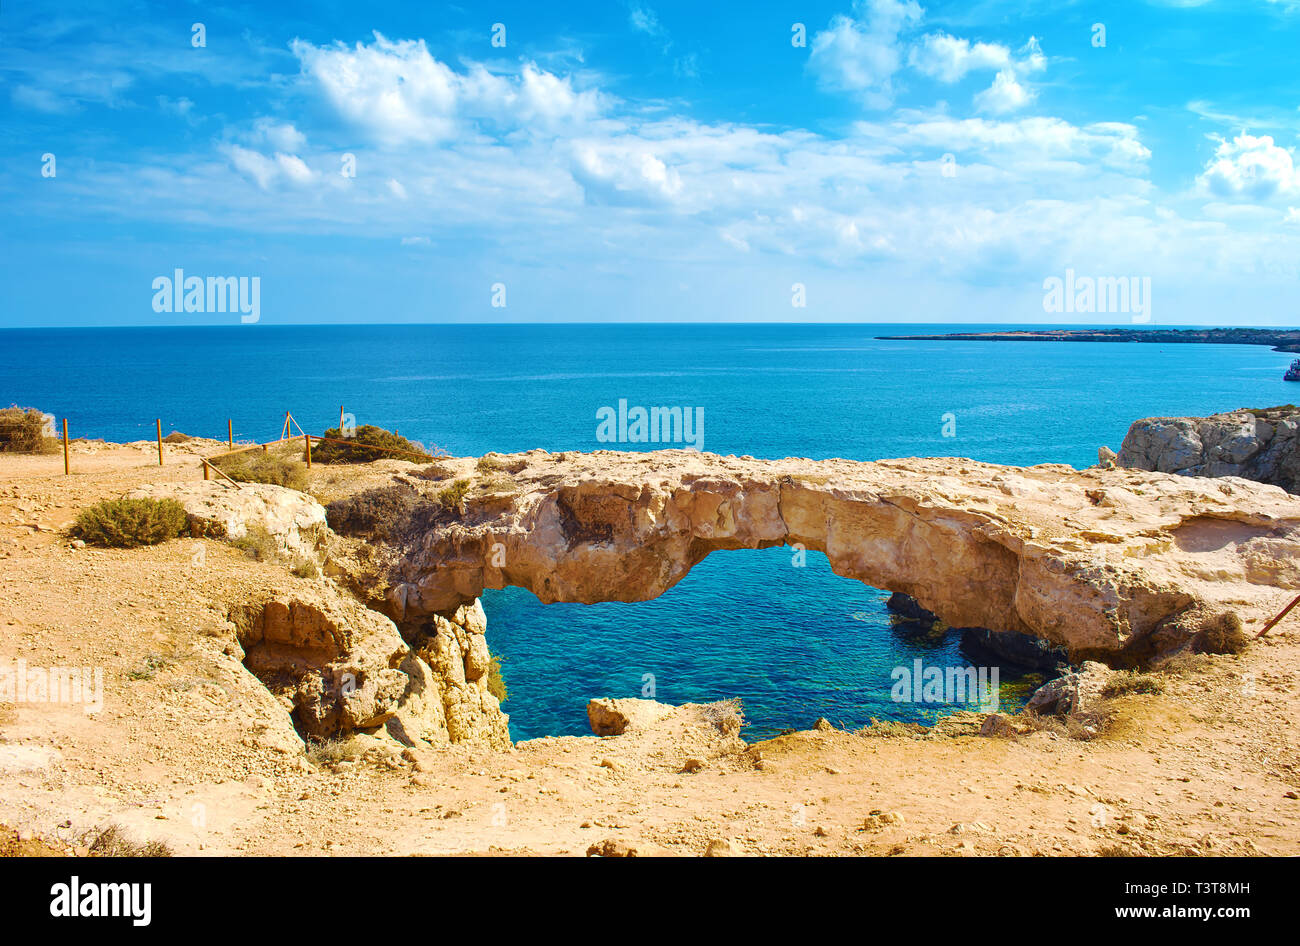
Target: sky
859,160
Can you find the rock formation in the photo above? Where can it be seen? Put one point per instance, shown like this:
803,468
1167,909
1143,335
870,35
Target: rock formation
219,510
1108,563
1259,445
338,666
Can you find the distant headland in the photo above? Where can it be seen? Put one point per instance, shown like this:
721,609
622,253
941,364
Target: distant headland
1281,339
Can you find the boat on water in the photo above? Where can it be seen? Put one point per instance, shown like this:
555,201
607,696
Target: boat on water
1293,373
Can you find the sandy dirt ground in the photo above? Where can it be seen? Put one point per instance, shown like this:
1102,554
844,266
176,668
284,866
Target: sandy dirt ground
190,750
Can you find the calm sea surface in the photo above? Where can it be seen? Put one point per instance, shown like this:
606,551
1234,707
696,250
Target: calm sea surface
793,643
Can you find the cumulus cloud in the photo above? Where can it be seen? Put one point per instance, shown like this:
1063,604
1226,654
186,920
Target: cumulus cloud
400,93
267,171
1006,94
1250,167
282,136
860,54
949,59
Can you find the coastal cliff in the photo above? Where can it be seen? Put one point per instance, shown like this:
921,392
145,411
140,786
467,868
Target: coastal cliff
1262,445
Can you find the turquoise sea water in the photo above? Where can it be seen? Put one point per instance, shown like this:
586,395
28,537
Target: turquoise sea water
793,643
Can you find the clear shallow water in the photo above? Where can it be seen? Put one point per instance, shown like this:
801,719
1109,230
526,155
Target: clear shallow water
794,643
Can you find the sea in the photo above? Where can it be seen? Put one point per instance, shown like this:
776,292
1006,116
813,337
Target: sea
793,641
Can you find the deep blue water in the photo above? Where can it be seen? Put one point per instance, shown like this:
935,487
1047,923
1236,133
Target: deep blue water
793,643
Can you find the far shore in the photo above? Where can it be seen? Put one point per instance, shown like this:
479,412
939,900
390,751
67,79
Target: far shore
1282,340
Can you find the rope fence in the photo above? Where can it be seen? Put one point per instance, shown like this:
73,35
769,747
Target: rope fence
287,436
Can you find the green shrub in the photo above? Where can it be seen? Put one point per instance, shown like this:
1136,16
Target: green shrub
24,430
127,523
261,466
450,497
497,686
354,451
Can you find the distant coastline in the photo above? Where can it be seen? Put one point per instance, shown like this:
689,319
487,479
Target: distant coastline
1283,340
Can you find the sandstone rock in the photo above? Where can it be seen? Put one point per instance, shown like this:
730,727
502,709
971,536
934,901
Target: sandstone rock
1106,457
823,725
718,847
343,667
1091,560
218,510
1072,693
880,820
692,765
616,847
610,717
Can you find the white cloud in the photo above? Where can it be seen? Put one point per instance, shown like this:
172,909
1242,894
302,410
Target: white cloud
949,59
401,93
282,136
645,20
266,171
1006,94
293,167
1252,168
396,189
860,54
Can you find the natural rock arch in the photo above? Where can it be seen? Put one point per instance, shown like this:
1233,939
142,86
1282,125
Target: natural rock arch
1090,560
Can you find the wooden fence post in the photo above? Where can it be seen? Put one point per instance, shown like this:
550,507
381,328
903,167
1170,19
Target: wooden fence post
65,446
307,440
160,458
230,433
206,473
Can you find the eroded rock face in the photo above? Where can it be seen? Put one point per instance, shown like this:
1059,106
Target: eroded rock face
1260,445
341,667
1096,561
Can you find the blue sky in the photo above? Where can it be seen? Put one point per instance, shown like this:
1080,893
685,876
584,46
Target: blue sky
653,161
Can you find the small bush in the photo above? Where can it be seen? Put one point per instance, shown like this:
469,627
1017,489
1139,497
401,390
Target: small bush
1122,684
450,497
177,437
331,751
305,567
497,686
258,543
25,430
381,513
127,523
435,471
111,842
258,466
496,463
1222,634
395,447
